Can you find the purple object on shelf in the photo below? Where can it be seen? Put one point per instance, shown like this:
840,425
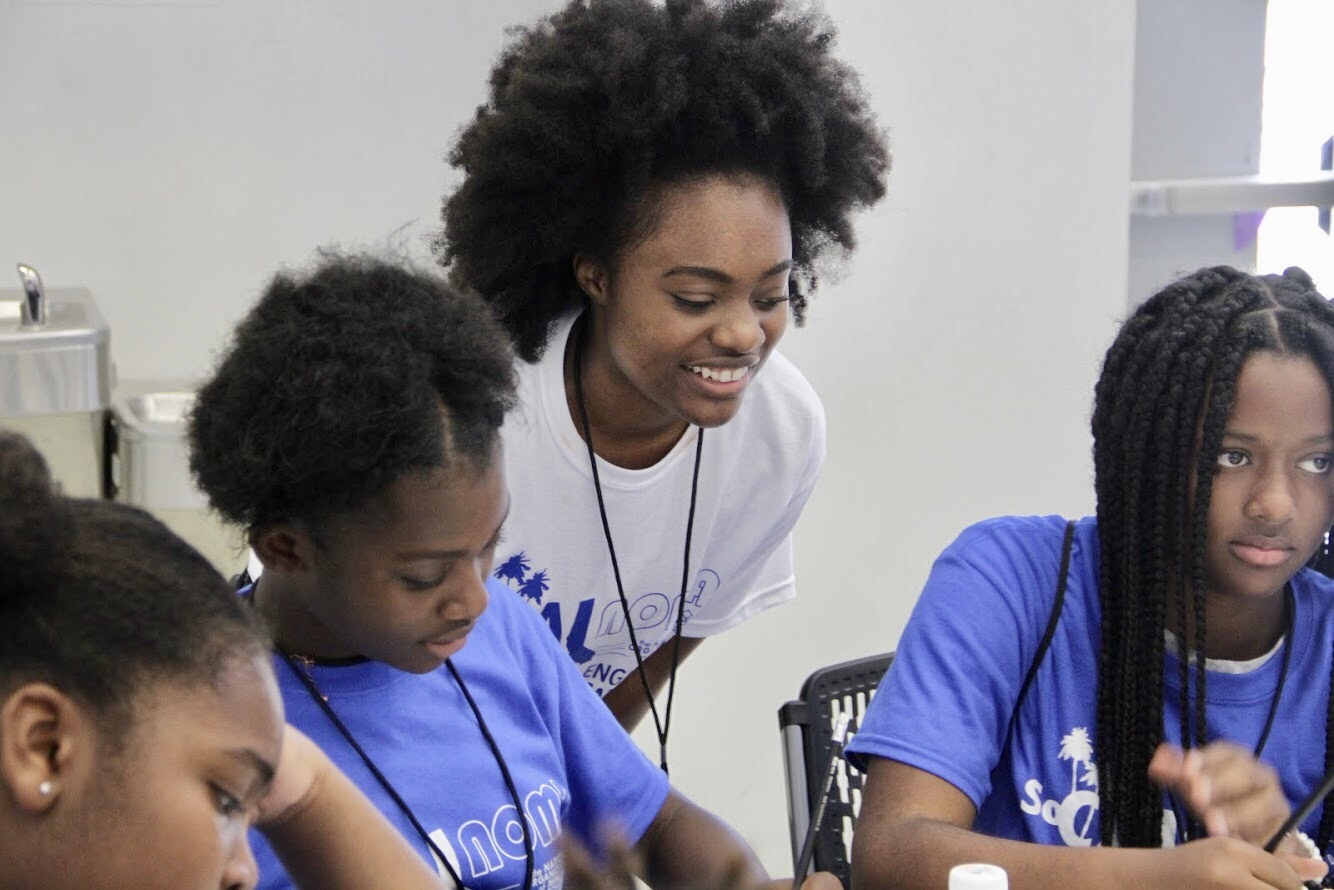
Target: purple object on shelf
1245,227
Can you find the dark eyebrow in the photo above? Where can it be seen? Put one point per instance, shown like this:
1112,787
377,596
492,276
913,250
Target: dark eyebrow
262,767
453,554
711,274
1247,438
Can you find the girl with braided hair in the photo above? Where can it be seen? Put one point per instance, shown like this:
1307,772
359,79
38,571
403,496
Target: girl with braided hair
645,195
1158,676
141,731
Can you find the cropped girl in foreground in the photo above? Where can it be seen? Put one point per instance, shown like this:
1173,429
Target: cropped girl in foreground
1213,439
140,728
646,193
353,427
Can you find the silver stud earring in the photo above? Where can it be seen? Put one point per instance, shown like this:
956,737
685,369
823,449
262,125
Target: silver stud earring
45,789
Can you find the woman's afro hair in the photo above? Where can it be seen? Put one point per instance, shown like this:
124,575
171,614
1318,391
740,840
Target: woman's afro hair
596,105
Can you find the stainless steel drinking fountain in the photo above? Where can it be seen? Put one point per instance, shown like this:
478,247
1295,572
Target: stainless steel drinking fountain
56,379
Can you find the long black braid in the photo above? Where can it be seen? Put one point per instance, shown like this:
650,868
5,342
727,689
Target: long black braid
1161,404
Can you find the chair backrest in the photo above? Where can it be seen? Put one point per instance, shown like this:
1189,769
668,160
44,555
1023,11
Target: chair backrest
807,726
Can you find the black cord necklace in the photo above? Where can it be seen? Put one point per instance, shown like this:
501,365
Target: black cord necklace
662,725
1289,620
303,675
308,681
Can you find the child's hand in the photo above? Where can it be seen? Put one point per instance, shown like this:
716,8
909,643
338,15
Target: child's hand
1225,787
301,768
327,833
1218,863
820,880
622,864
617,873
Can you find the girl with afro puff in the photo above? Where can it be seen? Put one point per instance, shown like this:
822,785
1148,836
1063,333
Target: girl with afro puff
645,196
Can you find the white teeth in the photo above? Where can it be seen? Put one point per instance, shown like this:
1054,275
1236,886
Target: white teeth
722,375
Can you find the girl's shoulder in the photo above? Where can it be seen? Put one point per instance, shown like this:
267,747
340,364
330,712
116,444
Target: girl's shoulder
1015,563
1311,582
1314,594
1037,536
510,622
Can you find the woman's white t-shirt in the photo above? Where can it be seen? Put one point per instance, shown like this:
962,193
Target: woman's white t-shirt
756,474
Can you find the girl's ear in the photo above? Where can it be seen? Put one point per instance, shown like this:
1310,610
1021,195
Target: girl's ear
283,547
46,746
592,277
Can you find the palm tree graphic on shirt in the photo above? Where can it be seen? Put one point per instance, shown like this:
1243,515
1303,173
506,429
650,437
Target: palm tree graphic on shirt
1077,748
515,569
1071,815
534,587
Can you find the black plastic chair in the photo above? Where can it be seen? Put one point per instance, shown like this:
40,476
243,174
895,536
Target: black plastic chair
807,727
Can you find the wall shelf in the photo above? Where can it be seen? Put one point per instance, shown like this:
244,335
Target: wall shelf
1230,194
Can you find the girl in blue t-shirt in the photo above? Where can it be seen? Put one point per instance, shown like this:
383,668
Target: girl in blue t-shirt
353,428
1069,694
140,729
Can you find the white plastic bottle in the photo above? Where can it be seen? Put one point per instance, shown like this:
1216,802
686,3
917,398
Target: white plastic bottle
977,876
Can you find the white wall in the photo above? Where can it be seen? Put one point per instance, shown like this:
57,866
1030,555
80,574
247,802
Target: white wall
169,156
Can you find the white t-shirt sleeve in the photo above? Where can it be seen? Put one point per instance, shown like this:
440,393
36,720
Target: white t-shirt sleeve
767,574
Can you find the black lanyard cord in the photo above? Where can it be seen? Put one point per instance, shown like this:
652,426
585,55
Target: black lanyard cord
1289,608
663,724
1289,621
308,681
529,846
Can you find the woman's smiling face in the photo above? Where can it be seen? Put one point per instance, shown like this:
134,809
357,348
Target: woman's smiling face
686,317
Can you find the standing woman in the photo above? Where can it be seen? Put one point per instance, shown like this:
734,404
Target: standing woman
646,194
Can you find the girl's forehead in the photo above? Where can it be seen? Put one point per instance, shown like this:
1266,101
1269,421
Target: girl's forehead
443,503
1277,392
239,710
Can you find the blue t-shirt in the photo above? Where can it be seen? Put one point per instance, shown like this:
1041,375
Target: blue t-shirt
945,705
572,764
